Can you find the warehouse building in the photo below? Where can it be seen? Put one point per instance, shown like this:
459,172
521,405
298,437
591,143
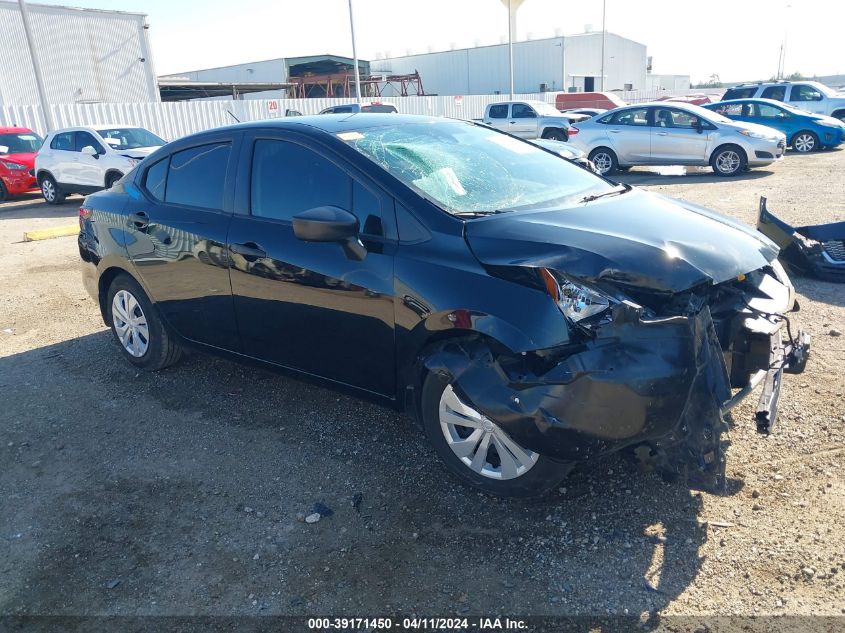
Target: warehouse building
572,62
85,55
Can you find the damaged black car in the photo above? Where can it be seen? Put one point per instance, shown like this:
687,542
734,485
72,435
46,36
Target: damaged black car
530,315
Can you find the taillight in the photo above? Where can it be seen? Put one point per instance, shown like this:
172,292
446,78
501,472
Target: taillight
573,130
84,214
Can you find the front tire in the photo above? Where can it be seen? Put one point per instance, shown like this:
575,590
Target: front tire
4,193
728,160
137,328
479,452
50,190
805,142
605,160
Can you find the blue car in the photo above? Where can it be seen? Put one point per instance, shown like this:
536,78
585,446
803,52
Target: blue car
804,131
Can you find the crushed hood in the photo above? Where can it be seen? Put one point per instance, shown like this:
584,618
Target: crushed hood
637,239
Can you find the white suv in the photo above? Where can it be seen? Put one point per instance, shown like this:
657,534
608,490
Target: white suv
87,159
811,96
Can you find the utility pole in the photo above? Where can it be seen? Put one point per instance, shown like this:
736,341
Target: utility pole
603,37
36,67
355,55
511,24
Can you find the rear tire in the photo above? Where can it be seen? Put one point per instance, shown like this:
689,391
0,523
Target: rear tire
605,160
4,194
539,474
50,190
136,326
805,142
728,160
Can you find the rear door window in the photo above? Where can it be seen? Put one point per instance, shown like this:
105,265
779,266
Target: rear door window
62,141
499,111
803,92
155,180
766,111
778,93
635,117
522,111
197,176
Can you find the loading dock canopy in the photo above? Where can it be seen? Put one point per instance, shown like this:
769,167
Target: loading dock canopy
174,90
324,65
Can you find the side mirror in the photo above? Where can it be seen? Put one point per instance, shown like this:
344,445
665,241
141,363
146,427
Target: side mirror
89,150
330,224
4,149
699,126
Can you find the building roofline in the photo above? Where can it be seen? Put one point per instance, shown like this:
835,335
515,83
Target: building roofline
287,61
71,8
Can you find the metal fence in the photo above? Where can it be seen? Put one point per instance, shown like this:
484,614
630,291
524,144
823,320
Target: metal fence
175,119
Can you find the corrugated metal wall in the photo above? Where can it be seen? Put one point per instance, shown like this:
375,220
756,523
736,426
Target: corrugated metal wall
175,119
85,56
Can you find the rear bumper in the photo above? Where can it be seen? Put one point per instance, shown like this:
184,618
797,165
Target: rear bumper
19,182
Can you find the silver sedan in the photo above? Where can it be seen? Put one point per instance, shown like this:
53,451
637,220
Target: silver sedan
676,134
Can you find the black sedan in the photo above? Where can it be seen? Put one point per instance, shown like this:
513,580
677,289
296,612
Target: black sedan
528,314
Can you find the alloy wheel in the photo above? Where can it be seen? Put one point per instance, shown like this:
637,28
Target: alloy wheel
603,162
804,143
130,323
479,442
48,190
728,161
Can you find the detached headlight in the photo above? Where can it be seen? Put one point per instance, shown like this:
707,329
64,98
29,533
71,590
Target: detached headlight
14,166
575,299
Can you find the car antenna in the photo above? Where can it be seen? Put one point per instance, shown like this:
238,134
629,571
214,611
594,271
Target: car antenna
233,116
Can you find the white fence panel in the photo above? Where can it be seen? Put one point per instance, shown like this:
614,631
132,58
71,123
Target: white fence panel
171,120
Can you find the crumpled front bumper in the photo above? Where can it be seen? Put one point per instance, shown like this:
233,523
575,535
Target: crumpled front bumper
816,251
664,382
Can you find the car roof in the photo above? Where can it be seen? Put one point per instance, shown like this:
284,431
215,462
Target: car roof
333,123
96,127
773,102
16,130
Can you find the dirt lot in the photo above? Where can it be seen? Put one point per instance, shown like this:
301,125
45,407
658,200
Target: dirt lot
178,492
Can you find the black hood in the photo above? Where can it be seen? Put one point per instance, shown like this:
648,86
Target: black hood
637,239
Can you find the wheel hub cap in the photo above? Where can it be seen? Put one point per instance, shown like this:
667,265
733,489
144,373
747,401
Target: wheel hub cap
130,323
602,162
728,161
804,143
479,442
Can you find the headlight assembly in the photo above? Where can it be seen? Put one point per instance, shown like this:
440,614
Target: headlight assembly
575,299
755,134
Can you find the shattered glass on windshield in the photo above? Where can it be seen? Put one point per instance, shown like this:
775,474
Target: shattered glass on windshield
470,170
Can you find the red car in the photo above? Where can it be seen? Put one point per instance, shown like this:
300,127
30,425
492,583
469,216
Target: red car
18,147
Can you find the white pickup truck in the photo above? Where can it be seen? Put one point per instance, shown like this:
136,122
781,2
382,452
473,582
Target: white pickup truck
528,119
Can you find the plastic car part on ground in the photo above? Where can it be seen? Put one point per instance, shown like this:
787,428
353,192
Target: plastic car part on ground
817,250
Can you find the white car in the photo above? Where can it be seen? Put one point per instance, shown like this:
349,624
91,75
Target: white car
667,133
87,159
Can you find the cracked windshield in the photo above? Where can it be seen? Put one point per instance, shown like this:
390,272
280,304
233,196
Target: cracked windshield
470,170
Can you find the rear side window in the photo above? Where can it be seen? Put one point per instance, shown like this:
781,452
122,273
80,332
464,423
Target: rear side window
636,116
155,180
62,141
739,93
499,111
778,93
522,111
197,176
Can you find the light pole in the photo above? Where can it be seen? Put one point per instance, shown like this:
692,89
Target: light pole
513,7
36,67
355,55
603,37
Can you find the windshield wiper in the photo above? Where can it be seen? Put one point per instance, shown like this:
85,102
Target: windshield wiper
612,192
474,214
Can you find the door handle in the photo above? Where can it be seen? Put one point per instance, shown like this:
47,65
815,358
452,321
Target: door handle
614,131
140,219
248,250
662,133
512,122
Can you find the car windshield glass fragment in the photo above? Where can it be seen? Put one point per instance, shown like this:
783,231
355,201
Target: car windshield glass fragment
130,138
468,169
22,143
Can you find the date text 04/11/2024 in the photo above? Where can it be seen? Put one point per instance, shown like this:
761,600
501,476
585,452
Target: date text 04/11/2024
418,623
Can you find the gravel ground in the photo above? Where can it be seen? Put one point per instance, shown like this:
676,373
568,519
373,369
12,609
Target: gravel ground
181,493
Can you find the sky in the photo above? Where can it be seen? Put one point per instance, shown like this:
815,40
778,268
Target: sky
738,40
